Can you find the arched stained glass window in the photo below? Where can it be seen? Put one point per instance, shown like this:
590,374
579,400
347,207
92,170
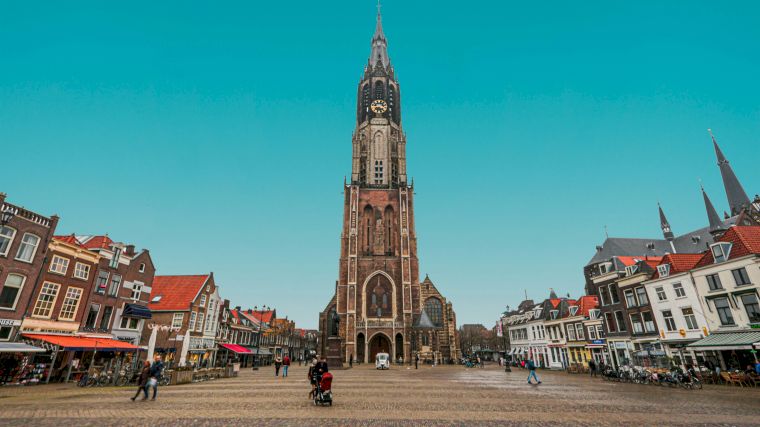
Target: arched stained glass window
434,310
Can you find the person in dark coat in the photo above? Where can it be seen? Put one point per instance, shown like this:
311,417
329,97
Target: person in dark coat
156,371
592,367
142,381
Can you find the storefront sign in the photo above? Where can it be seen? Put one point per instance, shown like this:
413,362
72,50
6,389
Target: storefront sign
754,325
9,322
619,344
597,342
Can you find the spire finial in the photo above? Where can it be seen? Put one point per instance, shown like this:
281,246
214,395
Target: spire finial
378,7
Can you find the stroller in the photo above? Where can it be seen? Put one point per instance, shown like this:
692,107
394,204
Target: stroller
323,393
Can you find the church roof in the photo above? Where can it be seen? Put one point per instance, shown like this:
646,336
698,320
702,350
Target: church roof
737,197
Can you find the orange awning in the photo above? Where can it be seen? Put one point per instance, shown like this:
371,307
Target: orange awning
75,343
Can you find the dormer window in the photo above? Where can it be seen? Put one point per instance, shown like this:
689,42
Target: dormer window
537,313
573,310
720,251
594,313
156,298
605,267
664,270
631,270
554,313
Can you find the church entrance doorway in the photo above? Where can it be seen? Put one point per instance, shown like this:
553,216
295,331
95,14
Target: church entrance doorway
360,348
378,344
399,347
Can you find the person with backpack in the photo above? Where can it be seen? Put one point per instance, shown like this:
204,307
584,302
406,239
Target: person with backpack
285,365
532,372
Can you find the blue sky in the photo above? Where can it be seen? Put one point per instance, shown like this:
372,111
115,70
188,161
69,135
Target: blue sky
218,134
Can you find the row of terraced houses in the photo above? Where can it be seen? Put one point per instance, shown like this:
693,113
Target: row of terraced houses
682,299
69,303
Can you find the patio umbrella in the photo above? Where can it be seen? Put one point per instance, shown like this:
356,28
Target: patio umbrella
185,348
152,342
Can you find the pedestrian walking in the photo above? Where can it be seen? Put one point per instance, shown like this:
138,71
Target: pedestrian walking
142,381
156,371
351,361
532,372
285,365
277,364
416,360
592,367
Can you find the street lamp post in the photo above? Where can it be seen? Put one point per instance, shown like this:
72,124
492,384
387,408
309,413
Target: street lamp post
258,344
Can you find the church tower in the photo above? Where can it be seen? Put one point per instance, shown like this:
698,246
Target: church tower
378,295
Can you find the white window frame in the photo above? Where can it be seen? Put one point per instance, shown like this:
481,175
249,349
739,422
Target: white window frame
594,313
202,302
141,269
191,325
570,332
663,270
110,284
24,243
129,320
136,291
59,265
573,310
665,321
591,332
10,238
199,322
19,289
686,319
177,320
553,314
67,307
660,292
675,290
47,312
80,267
632,294
720,251
114,263
631,270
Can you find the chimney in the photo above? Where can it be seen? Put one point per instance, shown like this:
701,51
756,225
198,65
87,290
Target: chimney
250,311
130,250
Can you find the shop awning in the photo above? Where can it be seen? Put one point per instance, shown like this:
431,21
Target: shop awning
136,311
74,343
239,349
19,347
727,341
261,351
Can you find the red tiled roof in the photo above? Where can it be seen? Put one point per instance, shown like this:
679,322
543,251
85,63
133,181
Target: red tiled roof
95,242
632,260
678,263
176,292
70,239
744,239
265,316
586,303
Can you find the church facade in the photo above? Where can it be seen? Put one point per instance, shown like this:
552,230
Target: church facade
379,304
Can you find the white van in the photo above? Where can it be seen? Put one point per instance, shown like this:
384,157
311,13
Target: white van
382,361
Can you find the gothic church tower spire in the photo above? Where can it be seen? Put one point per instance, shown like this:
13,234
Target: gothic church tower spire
666,231
716,225
737,197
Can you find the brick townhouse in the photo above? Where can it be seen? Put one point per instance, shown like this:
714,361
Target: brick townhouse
24,237
185,314
118,307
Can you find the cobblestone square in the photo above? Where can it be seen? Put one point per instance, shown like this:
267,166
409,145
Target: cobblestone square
450,395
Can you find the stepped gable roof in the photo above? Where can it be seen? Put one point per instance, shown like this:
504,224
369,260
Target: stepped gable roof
177,292
745,240
679,263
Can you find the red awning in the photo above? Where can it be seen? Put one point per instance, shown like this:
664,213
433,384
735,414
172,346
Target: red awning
236,348
74,343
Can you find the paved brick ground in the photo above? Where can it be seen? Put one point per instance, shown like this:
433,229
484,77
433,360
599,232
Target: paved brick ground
398,397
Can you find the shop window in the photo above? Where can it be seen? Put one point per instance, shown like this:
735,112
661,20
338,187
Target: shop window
11,290
5,333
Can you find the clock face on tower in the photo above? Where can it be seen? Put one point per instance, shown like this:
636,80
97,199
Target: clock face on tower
378,106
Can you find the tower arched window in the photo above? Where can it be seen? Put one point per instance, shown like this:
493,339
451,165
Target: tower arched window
379,90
